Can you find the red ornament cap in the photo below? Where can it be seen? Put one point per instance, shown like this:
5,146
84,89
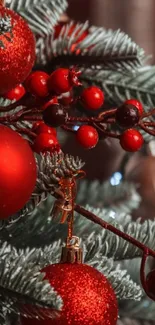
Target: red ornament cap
87,296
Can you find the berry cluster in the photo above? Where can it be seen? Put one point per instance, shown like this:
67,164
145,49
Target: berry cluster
56,106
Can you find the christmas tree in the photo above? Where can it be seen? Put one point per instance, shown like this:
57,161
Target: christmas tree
91,86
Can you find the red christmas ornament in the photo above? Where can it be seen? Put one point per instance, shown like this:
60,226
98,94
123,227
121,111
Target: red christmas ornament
92,98
46,142
52,101
15,93
17,50
87,296
87,136
43,128
36,84
131,140
137,104
150,282
17,172
62,80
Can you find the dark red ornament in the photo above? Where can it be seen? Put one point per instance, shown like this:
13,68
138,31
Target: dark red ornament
62,80
127,115
43,128
36,84
17,50
131,140
17,172
15,93
46,142
92,98
54,115
150,282
52,101
136,103
87,136
87,295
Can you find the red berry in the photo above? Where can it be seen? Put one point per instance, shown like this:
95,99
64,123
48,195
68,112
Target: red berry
62,80
66,99
36,84
15,93
46,142
55,115
36,124
137,104
43,128
87,136
127,115
92,98
52,101
131,140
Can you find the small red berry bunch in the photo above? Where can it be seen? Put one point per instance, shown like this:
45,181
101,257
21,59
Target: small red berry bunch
55,100
127,116
46,139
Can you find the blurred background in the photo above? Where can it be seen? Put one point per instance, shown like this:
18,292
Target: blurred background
135,17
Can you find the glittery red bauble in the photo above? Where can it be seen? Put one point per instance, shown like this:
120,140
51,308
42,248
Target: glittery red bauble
87,296
17,50
17,172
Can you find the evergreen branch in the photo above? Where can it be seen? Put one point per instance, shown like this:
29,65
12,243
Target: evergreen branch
119,86
52,169
142,310
41,15
100,48
121,198
124,286
130,321
21,284
108,244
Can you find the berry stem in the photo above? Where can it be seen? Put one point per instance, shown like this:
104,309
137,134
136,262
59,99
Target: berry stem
146,129
91,216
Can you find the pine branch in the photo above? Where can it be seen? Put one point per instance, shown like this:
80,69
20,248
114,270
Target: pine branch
101,48
52,169
142,310
21,285
128,321
121,198
124,287
119,86
107,244
41,15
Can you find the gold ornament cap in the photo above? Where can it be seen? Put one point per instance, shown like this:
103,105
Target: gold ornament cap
72,252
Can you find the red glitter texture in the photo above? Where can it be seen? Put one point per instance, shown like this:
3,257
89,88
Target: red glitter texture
87,295
18,55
